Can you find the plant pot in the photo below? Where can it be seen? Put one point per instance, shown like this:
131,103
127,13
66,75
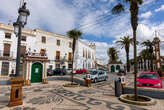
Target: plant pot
142,100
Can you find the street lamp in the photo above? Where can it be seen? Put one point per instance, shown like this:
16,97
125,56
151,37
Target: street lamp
17,81
18,25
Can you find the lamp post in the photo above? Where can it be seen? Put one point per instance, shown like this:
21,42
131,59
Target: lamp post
18,25
17,81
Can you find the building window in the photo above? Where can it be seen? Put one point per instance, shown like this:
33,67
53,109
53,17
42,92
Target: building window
5,69
42,52
23,50
6,50
8,35
43,39
57,65
70,44
23,38
69,56
57,55
58,42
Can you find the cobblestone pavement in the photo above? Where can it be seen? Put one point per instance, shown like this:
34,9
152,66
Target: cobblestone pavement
54,96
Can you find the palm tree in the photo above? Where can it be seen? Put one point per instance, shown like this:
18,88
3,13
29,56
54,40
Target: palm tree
134,9
125,43
149,45
75,35
145,55
113,55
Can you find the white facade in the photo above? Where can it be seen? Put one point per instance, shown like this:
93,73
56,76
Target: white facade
85,54
12,41
51,47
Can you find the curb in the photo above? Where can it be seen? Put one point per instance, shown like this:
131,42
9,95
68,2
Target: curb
146,89
148,103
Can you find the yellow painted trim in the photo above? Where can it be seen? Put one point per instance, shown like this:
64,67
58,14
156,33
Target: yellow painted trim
29,71
25,70
11,28
44,70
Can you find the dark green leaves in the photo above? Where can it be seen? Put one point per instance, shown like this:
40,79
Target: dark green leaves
118,9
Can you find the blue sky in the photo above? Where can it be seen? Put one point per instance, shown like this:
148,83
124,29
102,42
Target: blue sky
92,17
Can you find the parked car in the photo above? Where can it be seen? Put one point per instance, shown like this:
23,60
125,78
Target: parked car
149,79
69,71
81,71
49,72
98,75
59,71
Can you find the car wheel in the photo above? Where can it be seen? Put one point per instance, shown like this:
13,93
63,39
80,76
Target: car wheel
105,79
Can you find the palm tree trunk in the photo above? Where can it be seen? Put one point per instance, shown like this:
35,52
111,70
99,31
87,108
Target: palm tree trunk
135,65
151,62
134,23
144,64
148,64
73,51
72,68
127,60
141,64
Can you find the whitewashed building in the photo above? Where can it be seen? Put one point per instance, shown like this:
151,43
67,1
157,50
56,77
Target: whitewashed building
58,49
8,47
85,55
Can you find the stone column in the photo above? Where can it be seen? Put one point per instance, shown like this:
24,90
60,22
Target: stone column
44,76
28,73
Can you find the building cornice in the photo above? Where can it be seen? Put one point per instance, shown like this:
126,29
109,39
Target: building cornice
51,34
11,28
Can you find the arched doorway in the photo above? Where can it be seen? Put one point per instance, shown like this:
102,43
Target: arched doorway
118,67
36,72
112,68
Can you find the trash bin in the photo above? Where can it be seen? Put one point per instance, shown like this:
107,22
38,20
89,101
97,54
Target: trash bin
118,88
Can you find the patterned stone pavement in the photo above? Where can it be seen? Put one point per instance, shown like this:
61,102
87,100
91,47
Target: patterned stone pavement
54,96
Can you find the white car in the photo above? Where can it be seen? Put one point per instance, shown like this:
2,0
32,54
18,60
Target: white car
98,75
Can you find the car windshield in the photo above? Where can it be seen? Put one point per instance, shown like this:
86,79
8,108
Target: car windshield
148,76
94,72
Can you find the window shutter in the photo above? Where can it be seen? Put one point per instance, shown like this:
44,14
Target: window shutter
8,35
43,39
23,50
6,51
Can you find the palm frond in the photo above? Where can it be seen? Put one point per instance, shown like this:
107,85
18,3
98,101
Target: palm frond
118,9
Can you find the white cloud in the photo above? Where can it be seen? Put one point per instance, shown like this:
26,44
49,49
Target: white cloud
52,15
146,15
160,9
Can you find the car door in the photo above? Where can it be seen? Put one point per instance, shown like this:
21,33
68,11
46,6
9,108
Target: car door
100,76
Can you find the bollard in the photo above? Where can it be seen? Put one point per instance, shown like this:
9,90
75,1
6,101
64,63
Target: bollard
118,88
88,79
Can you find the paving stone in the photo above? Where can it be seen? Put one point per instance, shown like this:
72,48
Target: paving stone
53,96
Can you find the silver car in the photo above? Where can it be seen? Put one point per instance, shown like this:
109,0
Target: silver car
98,75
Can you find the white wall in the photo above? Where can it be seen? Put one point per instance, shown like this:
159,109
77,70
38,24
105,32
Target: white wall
80,60
51,47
